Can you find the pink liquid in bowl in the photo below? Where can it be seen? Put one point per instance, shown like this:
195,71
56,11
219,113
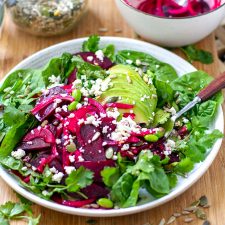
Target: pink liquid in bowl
169,8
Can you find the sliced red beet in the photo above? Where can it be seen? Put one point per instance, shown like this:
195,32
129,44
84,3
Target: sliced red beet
36,160
91,57
93,150
72,77
71,203
57,164
36,144
42,133
95,191
96,167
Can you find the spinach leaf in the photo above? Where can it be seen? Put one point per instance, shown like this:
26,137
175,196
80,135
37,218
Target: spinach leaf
195,54
148,173
110,175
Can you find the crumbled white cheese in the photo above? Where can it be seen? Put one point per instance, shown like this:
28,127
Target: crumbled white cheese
113,113
53,170
100,55
93,120
80,121
144,97
90,58
80,159
58,109
69,169
138,62
24,168
128,61
72,158
57,100
105,129
125,147
64,108
77,83
57,177
72,115
58,141
54,80
172,110
18,154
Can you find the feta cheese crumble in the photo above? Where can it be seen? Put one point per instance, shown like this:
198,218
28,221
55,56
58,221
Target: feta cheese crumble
57,177
18,154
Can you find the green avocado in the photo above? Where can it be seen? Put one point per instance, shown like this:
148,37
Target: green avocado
129,87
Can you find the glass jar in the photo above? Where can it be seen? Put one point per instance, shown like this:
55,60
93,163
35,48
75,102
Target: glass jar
46,17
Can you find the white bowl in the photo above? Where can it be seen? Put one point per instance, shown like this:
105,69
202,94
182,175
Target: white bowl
171,32
181,66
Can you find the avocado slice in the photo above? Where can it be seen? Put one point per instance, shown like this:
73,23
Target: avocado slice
129,87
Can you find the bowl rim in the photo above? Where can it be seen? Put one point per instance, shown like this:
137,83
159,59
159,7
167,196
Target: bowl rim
14,184
171,18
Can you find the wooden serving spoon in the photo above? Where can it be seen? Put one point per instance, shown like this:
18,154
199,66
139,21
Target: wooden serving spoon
207,92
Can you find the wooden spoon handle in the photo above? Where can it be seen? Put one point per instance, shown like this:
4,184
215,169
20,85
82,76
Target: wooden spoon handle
215,86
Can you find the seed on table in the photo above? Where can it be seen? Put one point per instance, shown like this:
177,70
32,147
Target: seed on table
203,200
162,221
191,209
200,214
102,29
185,212
195,203
188,220
177,214
171,220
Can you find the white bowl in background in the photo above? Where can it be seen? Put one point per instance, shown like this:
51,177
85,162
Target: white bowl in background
171,32
181,66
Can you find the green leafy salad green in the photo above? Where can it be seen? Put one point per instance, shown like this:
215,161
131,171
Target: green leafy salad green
88,130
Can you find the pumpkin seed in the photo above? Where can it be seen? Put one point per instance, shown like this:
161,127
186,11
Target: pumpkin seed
162,221
112,99
203,201
171,220
185,212
191,209
177,214
200,214
188,220
195,203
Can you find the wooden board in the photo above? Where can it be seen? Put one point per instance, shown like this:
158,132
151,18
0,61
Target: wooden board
16,45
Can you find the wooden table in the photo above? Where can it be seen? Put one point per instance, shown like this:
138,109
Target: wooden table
16,45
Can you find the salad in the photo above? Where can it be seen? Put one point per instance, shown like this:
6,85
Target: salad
172,8
88,129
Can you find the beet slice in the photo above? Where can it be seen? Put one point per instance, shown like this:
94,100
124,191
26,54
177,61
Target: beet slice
95,191
72,77
93,151
42,133
36,144
96,167
91,58
35,161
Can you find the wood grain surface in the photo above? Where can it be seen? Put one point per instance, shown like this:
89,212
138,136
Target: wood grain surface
16,45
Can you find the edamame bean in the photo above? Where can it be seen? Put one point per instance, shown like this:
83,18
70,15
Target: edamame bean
72,106
151,138
105,203
77,95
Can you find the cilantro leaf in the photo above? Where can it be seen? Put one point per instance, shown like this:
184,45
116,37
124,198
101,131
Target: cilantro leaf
160,117
109,51
3,221
195,54
78,179
91,45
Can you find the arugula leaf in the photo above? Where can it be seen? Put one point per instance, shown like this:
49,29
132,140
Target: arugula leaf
184,166
92,44
78,179
11,163
194,54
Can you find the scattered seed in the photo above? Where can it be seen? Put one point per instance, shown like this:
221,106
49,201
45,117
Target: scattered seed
191,209
203,200
185,212
171,220
206,222
206,206
195,203
113,99
96,136
128,79
200,214
177,214
102,29
95,206
45,122
188,220
162,221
